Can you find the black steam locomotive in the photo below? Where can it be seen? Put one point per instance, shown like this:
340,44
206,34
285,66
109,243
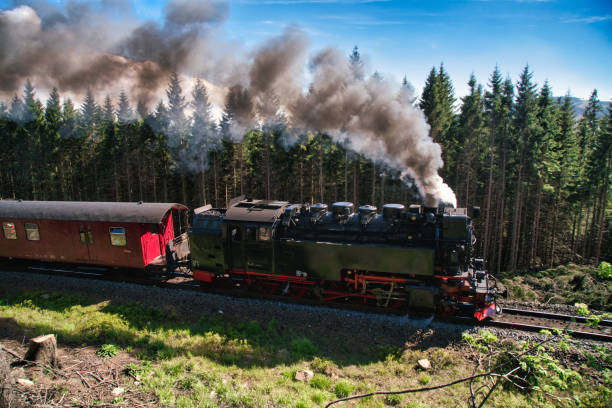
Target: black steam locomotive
406,259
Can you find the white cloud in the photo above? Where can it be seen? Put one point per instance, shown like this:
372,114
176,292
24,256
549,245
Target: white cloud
589,19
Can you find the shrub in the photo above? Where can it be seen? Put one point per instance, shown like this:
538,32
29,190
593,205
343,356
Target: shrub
604,270
108,350
582,309
303,347
393,399
319,364
343,389
320,382
425,379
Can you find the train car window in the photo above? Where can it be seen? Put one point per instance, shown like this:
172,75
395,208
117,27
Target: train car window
89,235
82,234
264,234
236,234
251,233
117,236
154,229
32,232
9,230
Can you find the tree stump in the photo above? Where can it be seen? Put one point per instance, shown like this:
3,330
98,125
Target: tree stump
43,349
5,382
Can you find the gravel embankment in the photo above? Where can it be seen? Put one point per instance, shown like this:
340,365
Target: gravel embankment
193,304
310,321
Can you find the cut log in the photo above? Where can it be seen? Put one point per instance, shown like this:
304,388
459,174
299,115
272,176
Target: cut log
43,349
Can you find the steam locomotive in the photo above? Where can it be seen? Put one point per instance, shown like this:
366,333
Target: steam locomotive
415,259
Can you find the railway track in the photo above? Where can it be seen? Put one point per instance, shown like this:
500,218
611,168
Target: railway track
514,319
537,320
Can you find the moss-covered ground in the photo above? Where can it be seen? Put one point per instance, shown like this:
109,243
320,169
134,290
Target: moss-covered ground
564,284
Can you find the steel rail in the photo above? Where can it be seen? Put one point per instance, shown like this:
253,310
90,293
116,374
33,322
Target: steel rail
553,316
538,328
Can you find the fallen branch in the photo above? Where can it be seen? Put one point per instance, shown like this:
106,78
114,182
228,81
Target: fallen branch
409,391
12,353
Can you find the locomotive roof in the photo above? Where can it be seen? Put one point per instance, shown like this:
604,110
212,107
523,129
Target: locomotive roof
146,213
256,211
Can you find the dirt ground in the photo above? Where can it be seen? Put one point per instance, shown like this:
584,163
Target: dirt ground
83,378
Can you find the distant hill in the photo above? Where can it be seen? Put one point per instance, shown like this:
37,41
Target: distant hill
580,105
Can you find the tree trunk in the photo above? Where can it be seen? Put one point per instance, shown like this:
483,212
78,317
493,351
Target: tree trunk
140,178
165,181
241,169
301,181
373,183
346,176
203,180
603,205
321,172
183,188
585,239
382,190
485,246
554,227
516,218
154,181
356,179
501,217
215,178
535,225
116,181
43,349
6,386
267,167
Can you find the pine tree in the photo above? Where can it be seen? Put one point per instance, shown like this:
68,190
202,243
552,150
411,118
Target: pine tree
89,110
598,173
356,64
108,110
565,149
525,125
494,117
50,145
125,113
470,134
177,127
437,102
202,131
16,108
176,110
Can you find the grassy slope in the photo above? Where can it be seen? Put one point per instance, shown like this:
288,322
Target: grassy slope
212,362
566,284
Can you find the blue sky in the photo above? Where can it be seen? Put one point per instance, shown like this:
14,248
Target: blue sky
567,42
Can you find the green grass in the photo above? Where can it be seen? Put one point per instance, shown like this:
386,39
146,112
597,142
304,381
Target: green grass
209,362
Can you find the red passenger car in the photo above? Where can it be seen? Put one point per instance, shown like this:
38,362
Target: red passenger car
126,235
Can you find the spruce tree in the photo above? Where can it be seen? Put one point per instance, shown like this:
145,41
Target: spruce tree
125,113
525,125
470,135
108,110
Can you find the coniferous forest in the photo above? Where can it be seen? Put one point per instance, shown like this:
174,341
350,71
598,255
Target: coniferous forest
539,171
